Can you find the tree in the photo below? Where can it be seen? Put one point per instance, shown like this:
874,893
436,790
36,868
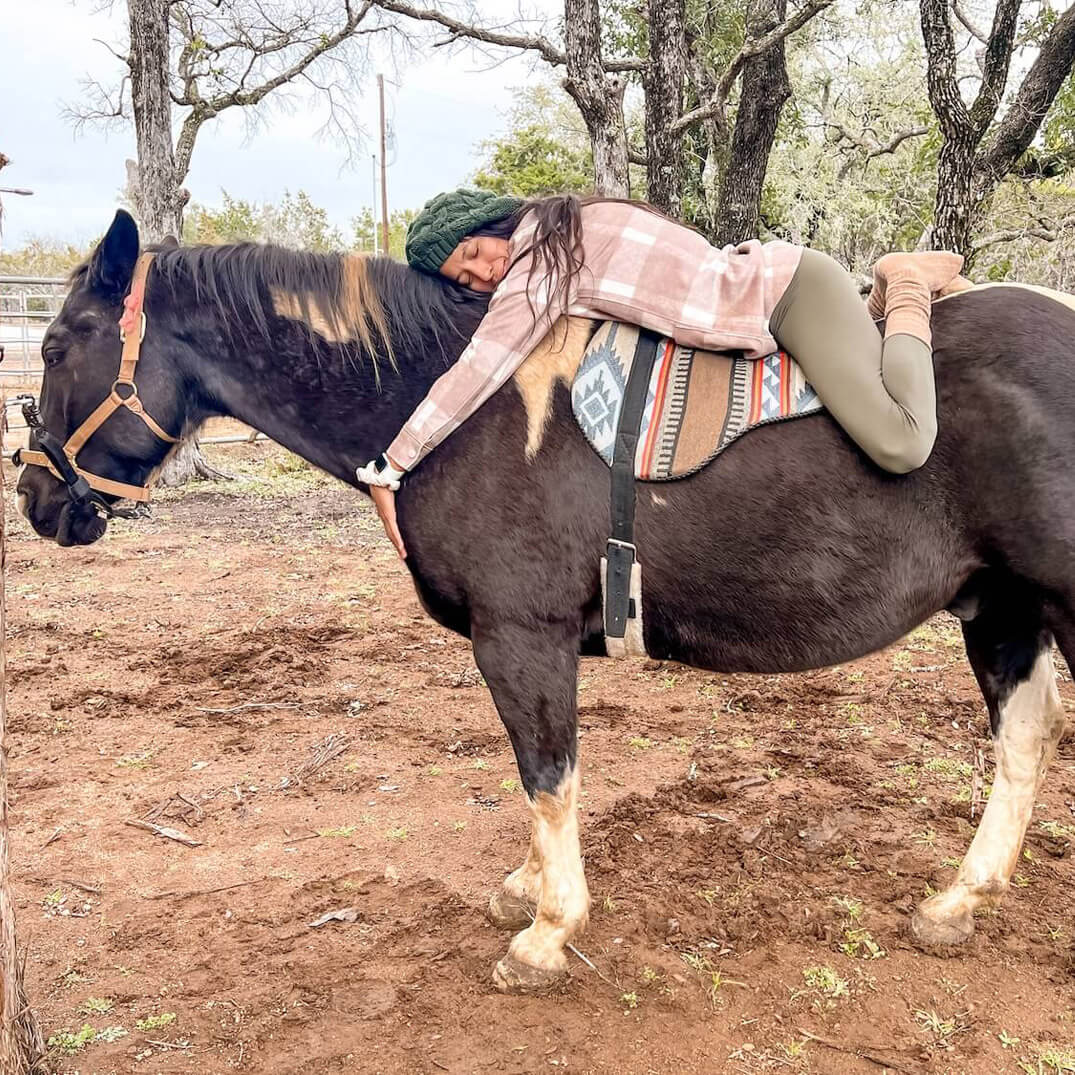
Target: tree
365,241
545,150
977,150
197,59
226,54
43,257
687,85
295,221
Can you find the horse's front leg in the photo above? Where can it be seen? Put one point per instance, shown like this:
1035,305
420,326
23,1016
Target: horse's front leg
515,904
532,673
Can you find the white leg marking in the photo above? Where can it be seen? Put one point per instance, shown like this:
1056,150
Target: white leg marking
1031,723
564,901
525,882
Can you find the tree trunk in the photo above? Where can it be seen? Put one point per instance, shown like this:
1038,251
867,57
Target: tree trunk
765,88
159,201
957,206
972,166
663,83
599,97
187,463
22,1048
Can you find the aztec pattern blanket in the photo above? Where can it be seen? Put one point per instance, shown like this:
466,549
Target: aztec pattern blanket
698,402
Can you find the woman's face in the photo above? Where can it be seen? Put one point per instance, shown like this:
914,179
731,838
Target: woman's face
478,262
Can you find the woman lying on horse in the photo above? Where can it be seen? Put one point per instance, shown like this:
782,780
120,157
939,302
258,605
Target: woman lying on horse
624,261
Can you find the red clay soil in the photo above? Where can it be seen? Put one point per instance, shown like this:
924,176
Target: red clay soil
252,669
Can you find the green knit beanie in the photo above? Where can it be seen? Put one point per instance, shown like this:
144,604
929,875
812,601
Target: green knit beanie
446,220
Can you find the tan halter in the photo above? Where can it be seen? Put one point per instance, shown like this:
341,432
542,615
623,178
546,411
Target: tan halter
132,330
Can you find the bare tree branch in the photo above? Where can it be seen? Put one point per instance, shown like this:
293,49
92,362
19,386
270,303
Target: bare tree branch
869,146
941,80
965,21
490,35
751,48
1047,233
1017,129
998,55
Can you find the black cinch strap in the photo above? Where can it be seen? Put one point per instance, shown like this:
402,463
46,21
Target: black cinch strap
621,549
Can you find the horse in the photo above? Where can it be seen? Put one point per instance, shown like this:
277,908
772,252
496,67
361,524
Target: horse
790,552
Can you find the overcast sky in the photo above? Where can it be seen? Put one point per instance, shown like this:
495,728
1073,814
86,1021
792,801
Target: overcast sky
441,109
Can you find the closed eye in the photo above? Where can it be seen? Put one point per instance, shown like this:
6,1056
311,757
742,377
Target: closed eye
52,354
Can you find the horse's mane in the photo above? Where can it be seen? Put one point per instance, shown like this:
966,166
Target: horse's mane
370,306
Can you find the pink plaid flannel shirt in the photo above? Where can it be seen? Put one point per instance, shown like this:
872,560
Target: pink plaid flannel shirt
639,268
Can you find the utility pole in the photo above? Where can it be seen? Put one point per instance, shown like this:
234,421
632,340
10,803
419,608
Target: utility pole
373,201
384,173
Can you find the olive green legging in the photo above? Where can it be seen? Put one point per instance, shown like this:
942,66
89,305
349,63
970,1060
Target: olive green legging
881,392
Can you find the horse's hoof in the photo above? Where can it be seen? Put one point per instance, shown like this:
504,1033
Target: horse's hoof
510,912
513,976
950,930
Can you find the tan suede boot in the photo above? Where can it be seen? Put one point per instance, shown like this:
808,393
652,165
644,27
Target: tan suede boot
875,302
905,285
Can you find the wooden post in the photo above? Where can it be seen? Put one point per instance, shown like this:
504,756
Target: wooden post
384,173
21,1046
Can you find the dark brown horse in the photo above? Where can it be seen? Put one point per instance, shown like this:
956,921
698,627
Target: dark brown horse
790,552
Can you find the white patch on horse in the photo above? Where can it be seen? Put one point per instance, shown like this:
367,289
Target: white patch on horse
659,501
564,902
1057,296
556,358
1031,724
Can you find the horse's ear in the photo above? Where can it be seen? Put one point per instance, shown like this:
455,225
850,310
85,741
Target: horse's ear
112,263
169,242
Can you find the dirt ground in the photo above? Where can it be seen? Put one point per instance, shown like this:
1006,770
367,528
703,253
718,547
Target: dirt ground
251,668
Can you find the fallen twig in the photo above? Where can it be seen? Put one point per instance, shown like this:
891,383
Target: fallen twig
746,782
93,890
55,836
168,834
332,746
169,1044
250,705
863,1051
182,895
716,817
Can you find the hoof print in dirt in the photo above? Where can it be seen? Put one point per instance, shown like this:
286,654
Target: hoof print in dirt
513,976
509,912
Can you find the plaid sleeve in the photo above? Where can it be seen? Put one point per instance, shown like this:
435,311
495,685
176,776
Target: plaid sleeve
506,335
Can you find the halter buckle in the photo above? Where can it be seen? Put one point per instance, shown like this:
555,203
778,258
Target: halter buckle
141,330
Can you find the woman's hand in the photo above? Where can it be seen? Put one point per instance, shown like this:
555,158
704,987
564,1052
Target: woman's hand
384,500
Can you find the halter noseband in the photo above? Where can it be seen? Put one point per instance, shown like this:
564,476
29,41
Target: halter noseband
61,459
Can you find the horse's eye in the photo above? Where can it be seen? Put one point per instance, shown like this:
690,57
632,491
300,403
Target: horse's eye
52,355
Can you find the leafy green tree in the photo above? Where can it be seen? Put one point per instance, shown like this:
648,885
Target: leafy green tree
362,227
43,257
545,149
530,162
294,221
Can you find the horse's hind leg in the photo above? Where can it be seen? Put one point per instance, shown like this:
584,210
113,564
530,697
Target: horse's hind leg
532,674
1010,650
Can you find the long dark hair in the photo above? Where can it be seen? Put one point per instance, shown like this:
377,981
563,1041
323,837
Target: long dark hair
557,243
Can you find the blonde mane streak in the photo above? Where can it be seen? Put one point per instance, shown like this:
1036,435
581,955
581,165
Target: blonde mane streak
556,358
354,313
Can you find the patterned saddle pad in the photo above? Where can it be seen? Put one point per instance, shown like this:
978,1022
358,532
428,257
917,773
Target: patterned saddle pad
697,404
